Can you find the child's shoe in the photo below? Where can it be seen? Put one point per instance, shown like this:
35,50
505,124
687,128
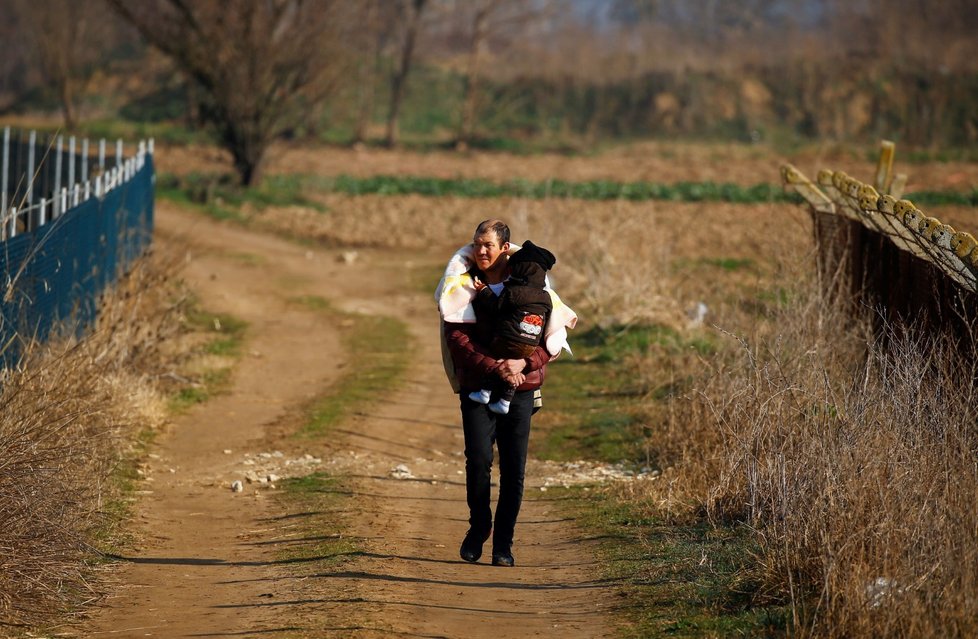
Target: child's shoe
500,406
480,396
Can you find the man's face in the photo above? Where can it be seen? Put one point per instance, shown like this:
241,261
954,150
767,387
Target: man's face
488,251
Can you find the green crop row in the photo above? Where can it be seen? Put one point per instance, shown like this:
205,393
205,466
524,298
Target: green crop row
591,190
935,198
280,190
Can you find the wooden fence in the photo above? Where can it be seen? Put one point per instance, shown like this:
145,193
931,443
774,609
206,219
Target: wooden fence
916,272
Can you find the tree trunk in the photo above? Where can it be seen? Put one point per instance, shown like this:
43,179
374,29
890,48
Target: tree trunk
365,78
194,119
480,31
67,103
249,165
247,149
399,77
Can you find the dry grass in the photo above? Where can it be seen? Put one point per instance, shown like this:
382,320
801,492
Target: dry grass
620,262
68,414
853,458
855,463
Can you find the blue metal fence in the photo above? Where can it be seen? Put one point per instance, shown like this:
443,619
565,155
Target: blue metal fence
58,255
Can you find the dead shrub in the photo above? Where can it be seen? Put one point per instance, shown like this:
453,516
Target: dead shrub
68,412
854,460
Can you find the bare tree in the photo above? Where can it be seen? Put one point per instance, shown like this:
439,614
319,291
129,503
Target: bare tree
411,15
260,64
68,37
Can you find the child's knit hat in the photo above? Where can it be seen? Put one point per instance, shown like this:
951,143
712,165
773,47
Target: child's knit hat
533,253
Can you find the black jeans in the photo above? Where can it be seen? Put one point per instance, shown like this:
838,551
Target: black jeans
511,433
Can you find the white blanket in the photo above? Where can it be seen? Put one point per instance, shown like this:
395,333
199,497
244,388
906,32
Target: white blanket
456,291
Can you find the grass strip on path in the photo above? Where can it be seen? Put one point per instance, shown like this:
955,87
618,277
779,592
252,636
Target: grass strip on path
216,355
379,349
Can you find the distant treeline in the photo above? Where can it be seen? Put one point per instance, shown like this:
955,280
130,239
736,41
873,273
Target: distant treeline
808,101
515,74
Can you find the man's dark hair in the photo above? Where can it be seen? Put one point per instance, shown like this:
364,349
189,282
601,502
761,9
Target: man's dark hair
496,226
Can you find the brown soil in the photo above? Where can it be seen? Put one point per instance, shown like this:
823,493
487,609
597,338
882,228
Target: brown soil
210,561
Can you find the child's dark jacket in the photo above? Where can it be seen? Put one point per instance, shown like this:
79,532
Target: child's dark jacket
523,306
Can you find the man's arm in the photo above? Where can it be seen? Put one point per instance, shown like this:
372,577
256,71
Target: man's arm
537,359
466,353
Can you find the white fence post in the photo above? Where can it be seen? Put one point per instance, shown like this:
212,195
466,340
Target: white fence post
84,161
71,160
42,212
30,168
57,174
77,193
101,155
64,200
88,189
118,151
6,171
12,231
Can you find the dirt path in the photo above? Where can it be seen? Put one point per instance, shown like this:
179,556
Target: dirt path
208,565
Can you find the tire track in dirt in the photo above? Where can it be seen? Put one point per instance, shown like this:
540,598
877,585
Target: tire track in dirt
208,566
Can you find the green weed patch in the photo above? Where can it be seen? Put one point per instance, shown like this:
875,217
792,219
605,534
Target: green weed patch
599,410
691,580
223,337
111,534
219,197
937,198
612,343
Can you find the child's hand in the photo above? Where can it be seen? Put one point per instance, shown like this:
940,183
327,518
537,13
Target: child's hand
478,284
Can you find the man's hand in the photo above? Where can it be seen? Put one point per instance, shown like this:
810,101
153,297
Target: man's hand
512,366
511,370
514,380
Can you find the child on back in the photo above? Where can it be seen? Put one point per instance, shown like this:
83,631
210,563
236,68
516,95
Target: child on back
518,316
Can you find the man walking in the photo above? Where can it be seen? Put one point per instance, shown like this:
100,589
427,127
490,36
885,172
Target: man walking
468,344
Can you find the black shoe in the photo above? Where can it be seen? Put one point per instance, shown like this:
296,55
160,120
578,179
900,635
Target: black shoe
471,549
503,558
